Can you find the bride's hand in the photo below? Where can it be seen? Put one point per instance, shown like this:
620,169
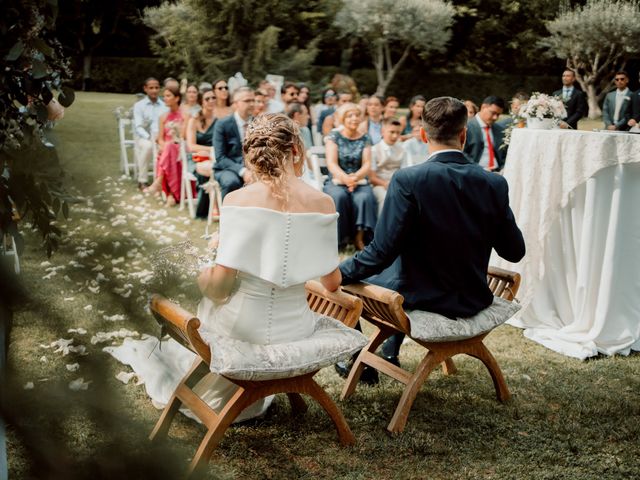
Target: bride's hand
214,241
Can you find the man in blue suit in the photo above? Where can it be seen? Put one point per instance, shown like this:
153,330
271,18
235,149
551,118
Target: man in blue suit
439,223
228,135
618,104
485,136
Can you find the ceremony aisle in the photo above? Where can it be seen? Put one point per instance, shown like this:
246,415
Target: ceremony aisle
75,411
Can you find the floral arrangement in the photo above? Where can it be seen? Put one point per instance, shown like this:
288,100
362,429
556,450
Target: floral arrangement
541,105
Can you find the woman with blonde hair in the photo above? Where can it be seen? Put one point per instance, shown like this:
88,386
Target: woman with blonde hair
348,154
275,234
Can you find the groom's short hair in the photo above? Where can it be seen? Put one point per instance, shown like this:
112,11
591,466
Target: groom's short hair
443,119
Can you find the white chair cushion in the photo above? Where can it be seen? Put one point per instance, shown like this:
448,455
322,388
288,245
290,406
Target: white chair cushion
432,327
330,342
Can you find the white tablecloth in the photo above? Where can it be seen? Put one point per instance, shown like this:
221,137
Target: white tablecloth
576,197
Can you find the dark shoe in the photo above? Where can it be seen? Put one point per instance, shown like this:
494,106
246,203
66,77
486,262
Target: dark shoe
369,374
393,360
142,185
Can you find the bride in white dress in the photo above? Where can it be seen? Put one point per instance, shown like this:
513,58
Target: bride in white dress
275,234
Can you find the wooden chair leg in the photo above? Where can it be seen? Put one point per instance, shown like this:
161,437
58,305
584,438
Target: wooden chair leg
240,400
448,367
482,353
358,366
298,405
344,432
198,370
400,416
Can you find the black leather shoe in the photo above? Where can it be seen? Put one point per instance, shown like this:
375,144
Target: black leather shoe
343,368
393,360
369,374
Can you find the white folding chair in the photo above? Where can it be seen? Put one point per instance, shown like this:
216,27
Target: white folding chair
8,249
212,187
186,188
318,160
125,135
317,136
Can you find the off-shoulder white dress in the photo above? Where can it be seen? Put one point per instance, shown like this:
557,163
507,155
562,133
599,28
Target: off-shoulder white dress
275,253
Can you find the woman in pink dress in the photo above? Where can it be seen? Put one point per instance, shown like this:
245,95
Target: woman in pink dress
169,164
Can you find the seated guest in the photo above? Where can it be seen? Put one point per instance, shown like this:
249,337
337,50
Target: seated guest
146,113
333,121
304,97
190,105
387,157
391,105
327,107
289,94
618,104
298,112
228,135
484,135
348,154
222,107
261,102
412,124
199,141
372,123
472,108
440,221
518,100
171,82
575,101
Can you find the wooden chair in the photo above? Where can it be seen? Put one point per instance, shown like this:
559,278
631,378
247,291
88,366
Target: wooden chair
183,327
383,308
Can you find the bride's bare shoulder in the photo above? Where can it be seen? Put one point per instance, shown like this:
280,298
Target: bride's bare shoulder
247,196
317,201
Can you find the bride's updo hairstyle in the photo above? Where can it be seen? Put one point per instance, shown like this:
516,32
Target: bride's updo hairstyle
268,148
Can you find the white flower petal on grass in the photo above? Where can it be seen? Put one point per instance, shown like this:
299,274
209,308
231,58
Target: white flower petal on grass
88,308
103,337
45,264
78,384
125,377
94,289
73,367
80,350
97,268
118,317
101,278
63,345
49,275
69,299
28,386
44,359
79,331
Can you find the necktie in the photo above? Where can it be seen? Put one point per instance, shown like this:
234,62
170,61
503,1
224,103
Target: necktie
565,95
492,155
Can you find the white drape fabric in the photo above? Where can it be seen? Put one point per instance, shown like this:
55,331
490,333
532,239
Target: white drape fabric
575,196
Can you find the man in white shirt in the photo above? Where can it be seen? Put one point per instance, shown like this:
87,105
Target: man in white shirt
485,135
146,113
617,108
387,157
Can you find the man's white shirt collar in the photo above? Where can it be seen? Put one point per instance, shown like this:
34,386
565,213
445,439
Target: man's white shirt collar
448,150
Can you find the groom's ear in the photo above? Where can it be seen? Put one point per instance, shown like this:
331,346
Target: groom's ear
423,135
463,137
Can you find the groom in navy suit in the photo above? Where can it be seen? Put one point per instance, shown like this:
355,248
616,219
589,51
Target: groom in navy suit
439,223
228,135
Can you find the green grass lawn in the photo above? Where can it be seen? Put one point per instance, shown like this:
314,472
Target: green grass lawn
567,419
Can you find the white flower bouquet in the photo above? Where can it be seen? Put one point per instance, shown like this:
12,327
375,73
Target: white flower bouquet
541,106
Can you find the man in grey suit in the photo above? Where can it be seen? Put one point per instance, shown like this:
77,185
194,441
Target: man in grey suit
618,104
575,101
485,135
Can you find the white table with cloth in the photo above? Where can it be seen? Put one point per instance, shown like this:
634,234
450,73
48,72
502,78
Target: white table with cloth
576,198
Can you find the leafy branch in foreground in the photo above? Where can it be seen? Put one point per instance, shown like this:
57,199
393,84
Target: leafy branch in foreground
33,71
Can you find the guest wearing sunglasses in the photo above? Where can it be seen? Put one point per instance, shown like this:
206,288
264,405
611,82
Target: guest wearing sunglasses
617,108
223,100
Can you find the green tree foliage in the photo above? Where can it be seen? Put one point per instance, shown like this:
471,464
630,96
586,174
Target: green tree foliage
206,39
33,69
402,25
595,40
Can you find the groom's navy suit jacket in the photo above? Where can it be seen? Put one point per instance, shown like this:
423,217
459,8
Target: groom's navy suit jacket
434,236
227,145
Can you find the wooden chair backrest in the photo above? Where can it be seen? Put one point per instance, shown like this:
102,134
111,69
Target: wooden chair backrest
339,305
381,306
503,283
181,325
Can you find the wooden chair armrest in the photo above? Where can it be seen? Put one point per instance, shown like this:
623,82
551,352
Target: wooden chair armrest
375,292
338,304
172,312
381,305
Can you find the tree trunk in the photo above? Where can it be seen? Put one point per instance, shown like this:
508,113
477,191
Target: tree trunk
592,100
384,56
86,70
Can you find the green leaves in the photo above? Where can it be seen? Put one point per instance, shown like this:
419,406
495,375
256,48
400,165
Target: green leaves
15,52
